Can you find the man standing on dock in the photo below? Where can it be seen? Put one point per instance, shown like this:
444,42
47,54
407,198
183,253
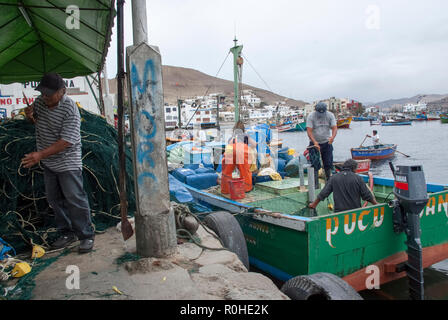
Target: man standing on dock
347,187
319,124
58,140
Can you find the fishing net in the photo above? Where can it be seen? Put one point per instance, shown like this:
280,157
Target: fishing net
25,216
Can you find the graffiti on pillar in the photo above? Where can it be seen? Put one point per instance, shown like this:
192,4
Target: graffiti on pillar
145,122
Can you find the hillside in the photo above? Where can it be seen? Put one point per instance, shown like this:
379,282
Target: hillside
423,98
187,83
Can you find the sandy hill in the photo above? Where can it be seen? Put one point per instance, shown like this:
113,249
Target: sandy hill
187,83
423,98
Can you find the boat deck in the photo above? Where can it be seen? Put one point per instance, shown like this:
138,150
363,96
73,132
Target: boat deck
282,196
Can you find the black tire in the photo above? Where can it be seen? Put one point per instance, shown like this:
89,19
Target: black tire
229,231
319,286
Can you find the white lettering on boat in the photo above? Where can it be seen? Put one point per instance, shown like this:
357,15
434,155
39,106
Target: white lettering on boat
443,203
431,206
352,227
332,232
362,227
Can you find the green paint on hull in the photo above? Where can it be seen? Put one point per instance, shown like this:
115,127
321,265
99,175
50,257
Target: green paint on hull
339,243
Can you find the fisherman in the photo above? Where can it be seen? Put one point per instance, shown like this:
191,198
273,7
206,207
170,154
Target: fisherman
237,154
347,187
319,123
58,139
375,138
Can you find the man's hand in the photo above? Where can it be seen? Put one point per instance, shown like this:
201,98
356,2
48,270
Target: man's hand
313,204
317,146
29,113
31,159
330,141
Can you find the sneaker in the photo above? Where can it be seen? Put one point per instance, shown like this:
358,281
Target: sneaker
63,241
85,245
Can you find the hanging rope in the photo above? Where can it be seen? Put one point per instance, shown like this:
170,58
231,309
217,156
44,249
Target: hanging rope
258,74
206,91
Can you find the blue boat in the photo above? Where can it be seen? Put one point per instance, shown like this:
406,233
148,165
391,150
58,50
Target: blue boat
397,123
378,152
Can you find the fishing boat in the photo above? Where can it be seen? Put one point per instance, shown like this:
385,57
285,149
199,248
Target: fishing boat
344,122
301,126
289,242
396,123
378,152
444,118
281,236
361,118
363,166
375,123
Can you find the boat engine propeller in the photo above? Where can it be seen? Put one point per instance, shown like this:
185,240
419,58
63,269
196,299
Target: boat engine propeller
411,197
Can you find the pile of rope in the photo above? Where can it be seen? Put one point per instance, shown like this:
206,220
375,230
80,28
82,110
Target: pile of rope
25,217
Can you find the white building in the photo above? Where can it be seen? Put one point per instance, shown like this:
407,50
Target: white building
414,107
260,114
171,116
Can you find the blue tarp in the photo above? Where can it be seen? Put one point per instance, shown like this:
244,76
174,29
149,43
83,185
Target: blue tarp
178,191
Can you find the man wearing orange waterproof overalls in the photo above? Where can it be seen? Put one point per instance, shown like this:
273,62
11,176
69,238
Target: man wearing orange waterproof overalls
237,154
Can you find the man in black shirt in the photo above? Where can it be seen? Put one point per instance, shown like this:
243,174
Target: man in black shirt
347,187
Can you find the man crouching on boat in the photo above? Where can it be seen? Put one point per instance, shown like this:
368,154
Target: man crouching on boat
348,189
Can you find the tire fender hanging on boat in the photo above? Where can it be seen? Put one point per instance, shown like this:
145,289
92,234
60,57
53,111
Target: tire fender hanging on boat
319,286
227,228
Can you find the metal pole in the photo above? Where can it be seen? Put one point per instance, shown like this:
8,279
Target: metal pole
236,51
120,78
139,21
311,184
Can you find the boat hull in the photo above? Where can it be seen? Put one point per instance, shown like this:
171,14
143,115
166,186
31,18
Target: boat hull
287,245
344,123
404,123
371,153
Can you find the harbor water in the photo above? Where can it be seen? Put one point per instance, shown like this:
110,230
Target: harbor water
426,142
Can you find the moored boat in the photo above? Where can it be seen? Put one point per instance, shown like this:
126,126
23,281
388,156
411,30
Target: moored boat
396,123
344,122
444,118
378,152
285,240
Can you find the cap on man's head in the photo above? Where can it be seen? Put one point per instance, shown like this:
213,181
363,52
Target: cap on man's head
50,83
321,107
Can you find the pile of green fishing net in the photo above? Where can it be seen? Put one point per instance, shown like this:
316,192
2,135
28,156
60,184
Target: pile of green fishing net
25,216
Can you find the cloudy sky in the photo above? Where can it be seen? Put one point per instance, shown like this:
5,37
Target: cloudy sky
370,50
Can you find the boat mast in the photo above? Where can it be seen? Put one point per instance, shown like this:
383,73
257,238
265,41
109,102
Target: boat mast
237,62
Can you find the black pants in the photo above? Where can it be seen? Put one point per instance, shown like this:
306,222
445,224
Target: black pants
66,195
326,151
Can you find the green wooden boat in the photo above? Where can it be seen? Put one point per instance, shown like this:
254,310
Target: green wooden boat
444,118
285,241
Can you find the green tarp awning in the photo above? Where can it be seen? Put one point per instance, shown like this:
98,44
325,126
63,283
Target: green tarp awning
39,36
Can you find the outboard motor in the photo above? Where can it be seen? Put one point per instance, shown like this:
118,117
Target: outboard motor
411,197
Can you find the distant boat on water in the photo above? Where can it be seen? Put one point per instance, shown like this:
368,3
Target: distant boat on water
378,152
444,117
396,123
344,122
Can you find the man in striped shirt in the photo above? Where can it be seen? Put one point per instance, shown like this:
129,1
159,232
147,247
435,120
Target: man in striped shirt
58,141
